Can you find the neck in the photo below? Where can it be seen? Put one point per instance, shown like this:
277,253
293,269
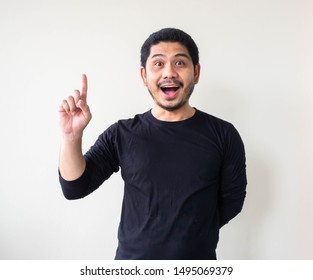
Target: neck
173,116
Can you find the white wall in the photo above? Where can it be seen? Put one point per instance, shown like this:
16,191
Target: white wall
257,66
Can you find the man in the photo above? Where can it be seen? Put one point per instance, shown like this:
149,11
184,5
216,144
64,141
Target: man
184,170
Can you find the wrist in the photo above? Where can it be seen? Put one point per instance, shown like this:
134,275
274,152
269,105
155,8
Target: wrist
72,137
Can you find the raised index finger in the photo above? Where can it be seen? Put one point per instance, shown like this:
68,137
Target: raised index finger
84,87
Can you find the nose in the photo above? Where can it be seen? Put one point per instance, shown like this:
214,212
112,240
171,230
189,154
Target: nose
169,71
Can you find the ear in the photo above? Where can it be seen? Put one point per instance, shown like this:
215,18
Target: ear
197,73
143,75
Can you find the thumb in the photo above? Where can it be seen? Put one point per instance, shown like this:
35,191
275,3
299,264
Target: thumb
81,104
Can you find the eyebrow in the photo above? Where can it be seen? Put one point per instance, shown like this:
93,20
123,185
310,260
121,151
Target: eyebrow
176,55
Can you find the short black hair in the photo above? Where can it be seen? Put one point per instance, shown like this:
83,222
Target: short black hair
169,35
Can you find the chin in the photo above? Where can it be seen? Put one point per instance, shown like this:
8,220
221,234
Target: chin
174,107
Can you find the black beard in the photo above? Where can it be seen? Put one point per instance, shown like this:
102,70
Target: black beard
170,81
189,89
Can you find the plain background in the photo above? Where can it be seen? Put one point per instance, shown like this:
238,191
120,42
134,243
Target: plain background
257,68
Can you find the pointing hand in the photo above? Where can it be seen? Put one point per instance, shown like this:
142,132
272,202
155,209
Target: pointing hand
74,112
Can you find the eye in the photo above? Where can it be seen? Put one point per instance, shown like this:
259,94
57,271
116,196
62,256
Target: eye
180,63
158,64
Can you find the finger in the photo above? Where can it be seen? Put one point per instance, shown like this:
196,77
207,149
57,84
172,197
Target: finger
64,107
72,104
85,109
77,96
84,87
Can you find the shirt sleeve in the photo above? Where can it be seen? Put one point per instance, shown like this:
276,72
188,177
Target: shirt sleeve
233,177
101,163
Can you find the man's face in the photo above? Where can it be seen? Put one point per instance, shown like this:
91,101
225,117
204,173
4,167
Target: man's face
170,75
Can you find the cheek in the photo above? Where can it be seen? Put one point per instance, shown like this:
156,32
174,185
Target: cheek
148,77
151,81
189,81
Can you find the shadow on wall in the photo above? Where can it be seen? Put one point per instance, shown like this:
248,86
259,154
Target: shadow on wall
258,207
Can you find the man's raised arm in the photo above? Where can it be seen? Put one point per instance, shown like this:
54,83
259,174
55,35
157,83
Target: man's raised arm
74,114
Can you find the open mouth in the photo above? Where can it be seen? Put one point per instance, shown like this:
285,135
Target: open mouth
169,90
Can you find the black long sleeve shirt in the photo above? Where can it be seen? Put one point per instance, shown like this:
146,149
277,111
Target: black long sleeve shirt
183,181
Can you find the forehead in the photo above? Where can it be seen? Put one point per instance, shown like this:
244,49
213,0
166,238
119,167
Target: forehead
168,49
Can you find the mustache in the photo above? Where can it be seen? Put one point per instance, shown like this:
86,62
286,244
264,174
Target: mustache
170,81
